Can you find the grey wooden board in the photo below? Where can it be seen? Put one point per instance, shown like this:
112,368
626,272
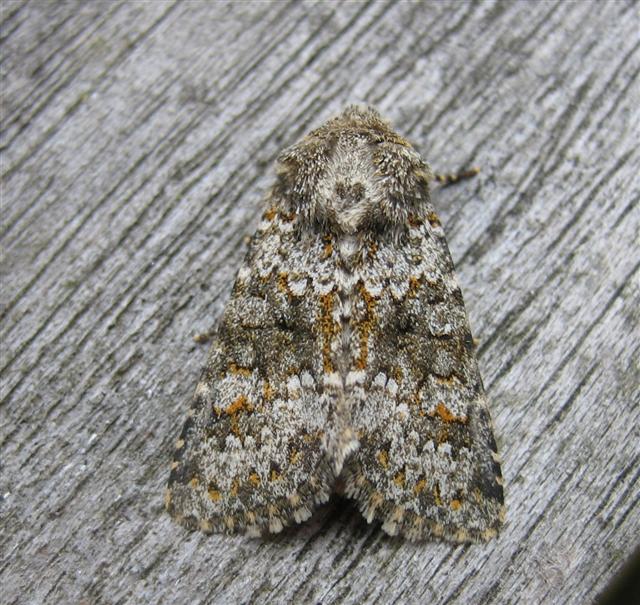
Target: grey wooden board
137,141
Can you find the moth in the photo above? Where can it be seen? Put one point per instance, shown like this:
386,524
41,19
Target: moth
344,355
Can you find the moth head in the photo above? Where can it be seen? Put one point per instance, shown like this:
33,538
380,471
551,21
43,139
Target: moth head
353,174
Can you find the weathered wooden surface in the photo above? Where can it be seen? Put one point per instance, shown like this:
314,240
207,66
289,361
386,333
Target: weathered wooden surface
137,140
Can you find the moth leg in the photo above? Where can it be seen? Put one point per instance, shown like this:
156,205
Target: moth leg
447,179
203,337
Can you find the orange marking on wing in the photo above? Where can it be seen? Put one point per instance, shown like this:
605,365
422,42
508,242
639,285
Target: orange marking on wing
241,403
283,284
414,286
446,380
414,221
373,249
239,370
274,475
383,458
312,437
436,495
442,436
233,410
446,416
235,484
327,251
328,329
268,391
270,214
433,219
365,327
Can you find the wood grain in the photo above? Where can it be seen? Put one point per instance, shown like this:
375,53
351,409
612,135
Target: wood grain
137,141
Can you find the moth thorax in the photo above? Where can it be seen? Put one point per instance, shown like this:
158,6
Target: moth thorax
348,185
349,205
